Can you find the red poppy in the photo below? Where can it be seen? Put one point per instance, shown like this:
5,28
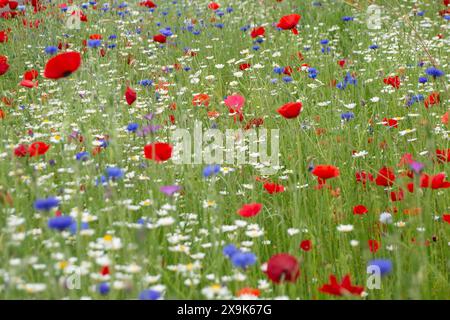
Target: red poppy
290,110
62,65
434,182
213,6
258,32
158,151
433,98
443,155
283,267
390,123
385,177
95,36
289,22
201,99
273,187
130,95
4,66
148,4
360,209
38,148
28,83
288,70
244,66
444,118
340,289
13,5
397,195
250,210
341,63
324,172
21,151
31,74
104,270
393,81
3,36
374,245
248,291
362,176
306,245
446,218
160,38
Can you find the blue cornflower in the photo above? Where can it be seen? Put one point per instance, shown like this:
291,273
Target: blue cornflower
243,259
230,250
132,127
229,10
219,25
434,72
46,204
211,170
324,42
149,295
146,82
384,265
245,28
278,70
347,116
256,48
421,13
112,37
51,50
325,49
287,79
219,13
373,47
60,223
103,288
347,18
94,43
312,73
259,40
423,79
166,32
114,172
82,156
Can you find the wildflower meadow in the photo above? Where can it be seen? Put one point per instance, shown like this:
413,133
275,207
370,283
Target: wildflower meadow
238,149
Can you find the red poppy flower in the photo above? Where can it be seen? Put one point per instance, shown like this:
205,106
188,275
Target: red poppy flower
443,155
283,267
272,188
31,75
248,291
250,210
290,110
258,32
433,98
3,36
289,22
4,66
341,289
13,5
244,66
446,218
104,270
158,151
160,38
288,70
397,195
324,172
95,36
374,245
130,96
434,182
201,99
444,118
360,209
38,148
213,6
362,176
390,123
306,245
393,81
21,151
385,177
341,63
148,4
28,83
62,65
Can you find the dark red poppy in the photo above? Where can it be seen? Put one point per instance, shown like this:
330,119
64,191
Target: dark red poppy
272,188
158,151
213,6
392,81
250,210
390,123
160,38
244,66
3,36
306,245
385,177
21,151
31,74
374,245
446,218
148,4
283,267
433,98
443,155
258,32
362,176
360,209
104,270
397,195
4,66
62,65
201,99
288,70
289,22
341,63
290,110
38,148
130,96
341,289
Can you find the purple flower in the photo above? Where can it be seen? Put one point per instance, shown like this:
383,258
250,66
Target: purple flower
417,167
170,190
